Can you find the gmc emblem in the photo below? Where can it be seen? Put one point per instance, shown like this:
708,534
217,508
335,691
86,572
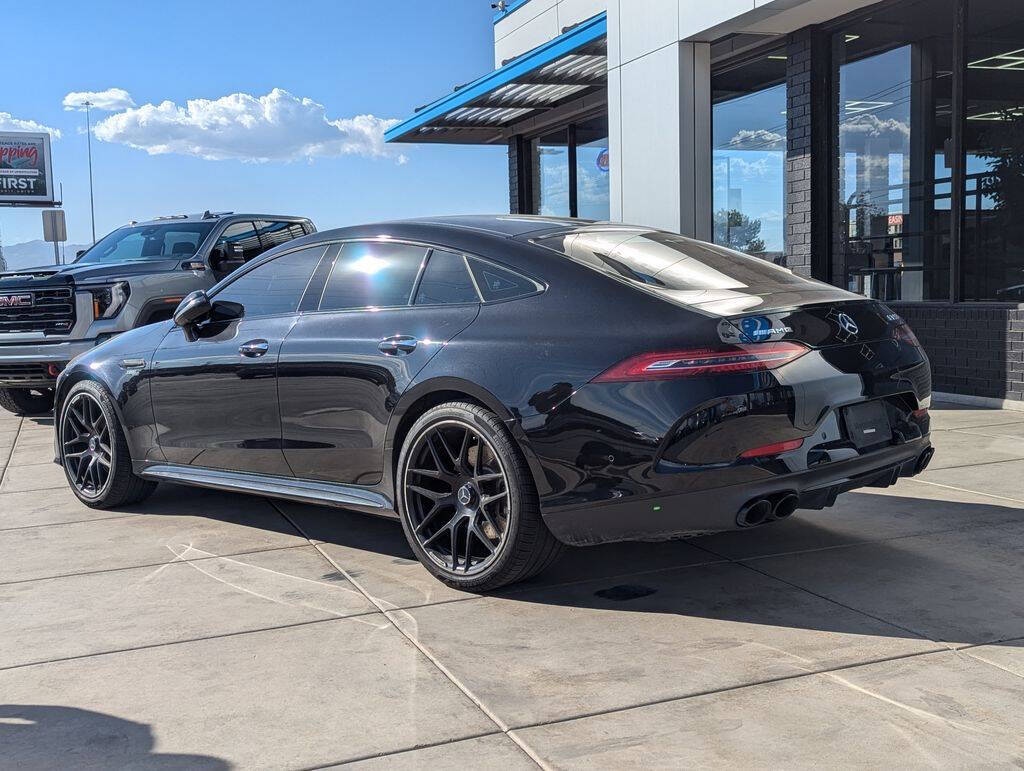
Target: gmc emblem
15,300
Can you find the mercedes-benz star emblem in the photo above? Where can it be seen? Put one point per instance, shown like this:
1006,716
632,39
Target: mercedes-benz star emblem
465,495
847,323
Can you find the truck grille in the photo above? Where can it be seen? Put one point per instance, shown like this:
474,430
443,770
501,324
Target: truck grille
52,312
16,374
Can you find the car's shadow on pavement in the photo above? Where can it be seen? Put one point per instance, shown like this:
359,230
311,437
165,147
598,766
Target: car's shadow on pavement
883,565
40,736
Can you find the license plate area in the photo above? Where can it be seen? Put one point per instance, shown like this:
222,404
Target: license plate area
867,424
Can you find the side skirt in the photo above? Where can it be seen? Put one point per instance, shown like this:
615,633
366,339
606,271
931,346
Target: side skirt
305,491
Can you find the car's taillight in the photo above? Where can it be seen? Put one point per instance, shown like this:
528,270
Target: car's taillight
772,449
905,334
697,362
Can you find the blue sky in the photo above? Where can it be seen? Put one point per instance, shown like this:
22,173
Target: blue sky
351,56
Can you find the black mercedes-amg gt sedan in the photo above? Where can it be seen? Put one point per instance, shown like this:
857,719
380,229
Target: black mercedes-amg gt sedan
504,385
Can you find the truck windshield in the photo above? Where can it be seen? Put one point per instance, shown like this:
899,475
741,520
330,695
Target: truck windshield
170,241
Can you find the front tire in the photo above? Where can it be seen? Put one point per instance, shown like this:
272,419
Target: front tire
27,401
94,452
467,501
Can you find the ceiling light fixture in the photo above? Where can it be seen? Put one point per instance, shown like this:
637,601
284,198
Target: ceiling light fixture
1011,60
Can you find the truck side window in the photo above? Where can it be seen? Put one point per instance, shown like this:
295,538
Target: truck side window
236,246
276,233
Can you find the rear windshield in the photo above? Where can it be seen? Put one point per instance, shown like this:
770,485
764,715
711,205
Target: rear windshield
681,267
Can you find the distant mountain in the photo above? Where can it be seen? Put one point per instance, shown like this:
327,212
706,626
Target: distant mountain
32,254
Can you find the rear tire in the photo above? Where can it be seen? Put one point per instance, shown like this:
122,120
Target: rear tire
94,452
467,501
27,401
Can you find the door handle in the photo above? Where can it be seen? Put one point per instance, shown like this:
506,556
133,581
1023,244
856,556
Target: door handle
397,345
254,348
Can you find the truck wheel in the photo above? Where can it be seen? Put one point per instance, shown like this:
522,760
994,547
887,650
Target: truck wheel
27,401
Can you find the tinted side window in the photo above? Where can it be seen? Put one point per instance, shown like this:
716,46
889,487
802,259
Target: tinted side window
276,233
276,286
446,280
498,283
241,241
372,274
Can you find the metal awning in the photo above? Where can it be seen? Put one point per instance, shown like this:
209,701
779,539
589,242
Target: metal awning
571,66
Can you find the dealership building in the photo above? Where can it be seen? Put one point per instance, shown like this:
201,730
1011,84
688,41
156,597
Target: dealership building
875,146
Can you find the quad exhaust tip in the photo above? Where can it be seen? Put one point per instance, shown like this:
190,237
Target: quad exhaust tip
923,460
761,510
754,513
786,505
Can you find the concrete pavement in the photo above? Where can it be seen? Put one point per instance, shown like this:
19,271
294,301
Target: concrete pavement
211,630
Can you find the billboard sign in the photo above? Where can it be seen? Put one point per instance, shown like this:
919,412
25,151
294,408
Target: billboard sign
26,175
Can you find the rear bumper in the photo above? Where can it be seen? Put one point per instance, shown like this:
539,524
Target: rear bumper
26,365
661,517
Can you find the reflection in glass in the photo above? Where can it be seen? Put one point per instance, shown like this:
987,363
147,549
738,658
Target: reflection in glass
891,213
550,168
993,255
748,164
592,169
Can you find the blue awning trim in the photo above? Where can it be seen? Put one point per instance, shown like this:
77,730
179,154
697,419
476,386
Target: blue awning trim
568,66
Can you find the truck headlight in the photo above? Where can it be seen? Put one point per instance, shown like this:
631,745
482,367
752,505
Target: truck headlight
108,301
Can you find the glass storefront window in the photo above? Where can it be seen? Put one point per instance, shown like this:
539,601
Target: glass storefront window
554,170
892,209
592,201
550,184
992,267
748,163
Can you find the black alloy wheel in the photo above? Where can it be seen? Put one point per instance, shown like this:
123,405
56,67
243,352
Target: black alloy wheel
457,494
94,452
85,445
467,500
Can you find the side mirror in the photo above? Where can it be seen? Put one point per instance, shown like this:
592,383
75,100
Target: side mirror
195,306
79,253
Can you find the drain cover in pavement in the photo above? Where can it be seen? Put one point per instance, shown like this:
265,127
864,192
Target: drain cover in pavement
624,592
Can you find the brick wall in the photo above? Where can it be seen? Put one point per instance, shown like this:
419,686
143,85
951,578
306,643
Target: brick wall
807,171
974,348
798,154
515,149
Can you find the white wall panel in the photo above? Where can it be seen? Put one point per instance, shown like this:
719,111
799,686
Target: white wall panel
522,15
645,26
698,15
574,11
538,30
649,142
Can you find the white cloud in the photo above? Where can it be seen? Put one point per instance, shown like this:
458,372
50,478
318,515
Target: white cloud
110,100
757,139
9,123
871,125
740,169
276,127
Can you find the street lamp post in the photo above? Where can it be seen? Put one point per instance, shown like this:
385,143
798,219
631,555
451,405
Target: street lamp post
88,138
